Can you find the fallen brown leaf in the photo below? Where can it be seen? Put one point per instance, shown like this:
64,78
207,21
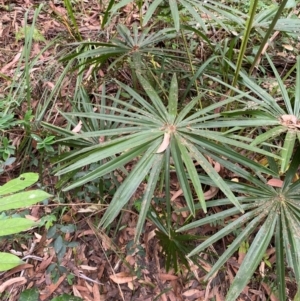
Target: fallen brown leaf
16,281
164,144
167,277
122,277
275,182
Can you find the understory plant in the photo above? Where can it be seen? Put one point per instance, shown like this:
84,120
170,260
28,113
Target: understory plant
160,138
276,118
12,197
272,216
148,132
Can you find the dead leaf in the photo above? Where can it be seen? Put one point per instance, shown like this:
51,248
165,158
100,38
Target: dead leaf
76,292
13,62
122,277
290,121
288,47
211,193
78,127
17,269
193,293
164,144
96,293
88,268
275,182
176,195
59,10
167,277
269,292
49,290
17,280
130,285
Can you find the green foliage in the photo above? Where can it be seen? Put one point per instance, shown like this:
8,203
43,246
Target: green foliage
6,149
272,212
154,133
60,245
37,35
66,297
11,198
44,145
31,294
179,114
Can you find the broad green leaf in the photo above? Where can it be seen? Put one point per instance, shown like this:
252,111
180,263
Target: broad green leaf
287,150
173,99
228,141
260,187
253,256
58,244
151,185
22,199
23,181
31,294
9,261
133,119
15,225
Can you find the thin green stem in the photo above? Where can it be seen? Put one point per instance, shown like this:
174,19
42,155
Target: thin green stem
191,64
267,35
167,190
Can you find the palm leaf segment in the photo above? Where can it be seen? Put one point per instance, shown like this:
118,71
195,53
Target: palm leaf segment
151,131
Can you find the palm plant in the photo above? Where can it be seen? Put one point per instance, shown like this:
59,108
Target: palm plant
138,48
270,213
160,138
265,110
